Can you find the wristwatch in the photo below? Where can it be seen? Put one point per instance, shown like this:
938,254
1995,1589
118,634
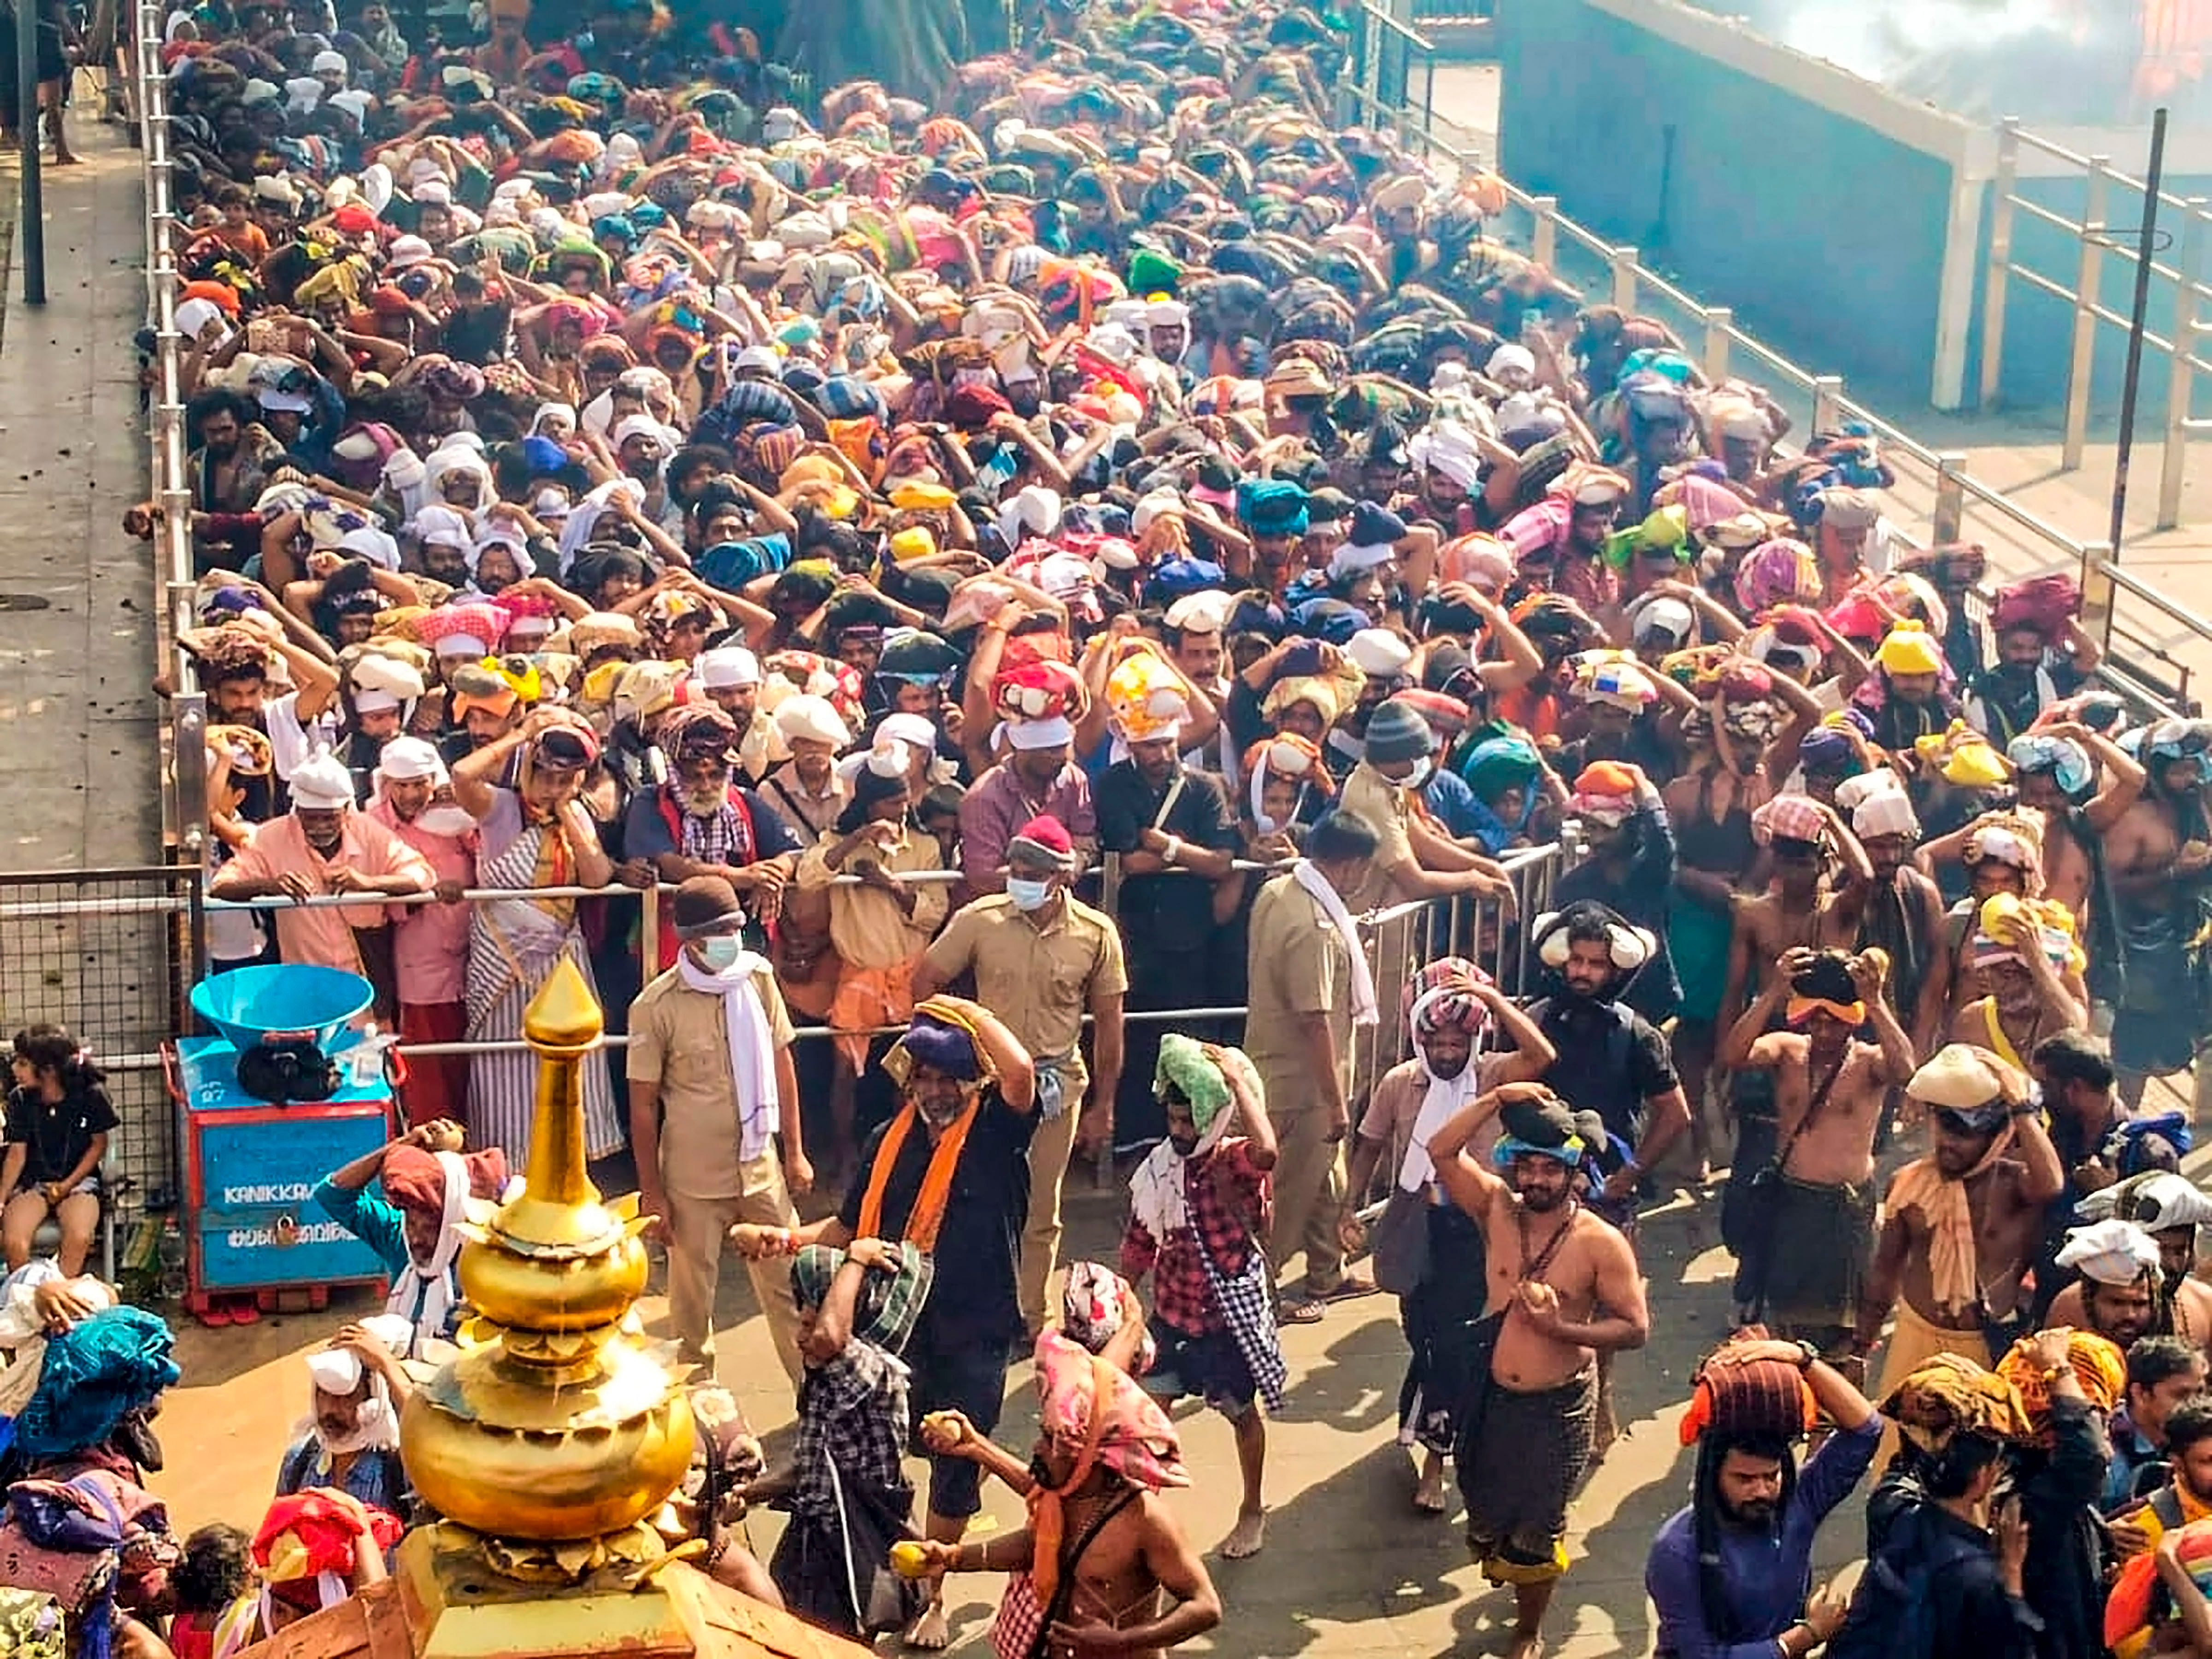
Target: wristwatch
1807,1356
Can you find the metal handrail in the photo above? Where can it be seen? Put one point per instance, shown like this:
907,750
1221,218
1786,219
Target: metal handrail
2048,546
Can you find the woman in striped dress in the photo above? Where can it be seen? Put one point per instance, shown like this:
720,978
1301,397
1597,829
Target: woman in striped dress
536,833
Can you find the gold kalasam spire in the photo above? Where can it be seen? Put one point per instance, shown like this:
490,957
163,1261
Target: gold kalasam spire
558,1431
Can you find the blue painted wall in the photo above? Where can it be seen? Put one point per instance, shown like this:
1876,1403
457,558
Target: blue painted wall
2038,326
1825,235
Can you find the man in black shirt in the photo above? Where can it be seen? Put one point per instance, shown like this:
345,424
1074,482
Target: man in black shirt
949,1173
1172,827
1612,1061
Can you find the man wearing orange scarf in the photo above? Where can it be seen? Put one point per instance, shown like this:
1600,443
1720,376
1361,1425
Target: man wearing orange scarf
968,1100
1961,1225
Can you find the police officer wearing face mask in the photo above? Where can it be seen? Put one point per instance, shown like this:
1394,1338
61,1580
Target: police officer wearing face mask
713,1114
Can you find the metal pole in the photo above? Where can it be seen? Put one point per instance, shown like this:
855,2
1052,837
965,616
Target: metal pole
31,224
2145,251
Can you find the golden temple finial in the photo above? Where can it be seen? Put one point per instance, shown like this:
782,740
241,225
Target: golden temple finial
560,1427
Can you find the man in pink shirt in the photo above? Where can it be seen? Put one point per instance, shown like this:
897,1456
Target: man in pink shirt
324,845
413,799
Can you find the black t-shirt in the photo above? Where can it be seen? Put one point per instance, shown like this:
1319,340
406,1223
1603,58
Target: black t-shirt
1176,910
1611,1060
56,1133
973,1297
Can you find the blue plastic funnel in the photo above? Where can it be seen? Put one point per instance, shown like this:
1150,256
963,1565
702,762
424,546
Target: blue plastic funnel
281,1001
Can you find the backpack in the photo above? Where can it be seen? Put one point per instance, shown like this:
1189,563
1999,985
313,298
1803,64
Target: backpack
1893,1613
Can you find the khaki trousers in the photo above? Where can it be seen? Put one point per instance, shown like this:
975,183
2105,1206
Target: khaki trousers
698,1235
1309,1186
1050,1149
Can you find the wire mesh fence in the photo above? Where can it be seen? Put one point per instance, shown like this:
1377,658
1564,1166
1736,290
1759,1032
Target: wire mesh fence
109,954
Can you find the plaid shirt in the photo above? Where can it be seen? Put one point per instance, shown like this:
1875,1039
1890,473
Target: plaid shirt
854,1409
1228,1198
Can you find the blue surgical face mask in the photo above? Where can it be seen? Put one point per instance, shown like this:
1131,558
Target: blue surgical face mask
1028,895
720,951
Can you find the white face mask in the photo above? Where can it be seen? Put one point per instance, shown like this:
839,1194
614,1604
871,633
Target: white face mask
444,821
1028,895
1419,776
720,951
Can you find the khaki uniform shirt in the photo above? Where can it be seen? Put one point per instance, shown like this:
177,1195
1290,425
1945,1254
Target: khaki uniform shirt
677,1040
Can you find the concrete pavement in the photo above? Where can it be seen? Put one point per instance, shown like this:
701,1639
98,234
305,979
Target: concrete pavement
77,723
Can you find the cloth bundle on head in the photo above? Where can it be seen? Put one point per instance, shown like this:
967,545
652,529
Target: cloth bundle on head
2045,604
2007,924
1748,1399
940,1037
93,1374
1146,699
1910,649
1606,792
1498,764
1441,997
1093,1305
1963,756
1970,1082
437,1187
2008,838
2110,1252
1156,1198
315,1534
1829,750
1885,811
2097,1364
890,1303
2157,1200
1789,818
1947,1395
1271,507
1541,1128
810,718
1619,682
1825,986
1286,755
1779,571
2064,759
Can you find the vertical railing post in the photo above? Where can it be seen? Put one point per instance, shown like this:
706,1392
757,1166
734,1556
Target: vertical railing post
1622,260
2100,593
1719,329
2181,378
2080,365
1947,524
1544,232
1828,402
1998,277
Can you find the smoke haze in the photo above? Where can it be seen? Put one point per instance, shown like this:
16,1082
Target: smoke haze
2081,63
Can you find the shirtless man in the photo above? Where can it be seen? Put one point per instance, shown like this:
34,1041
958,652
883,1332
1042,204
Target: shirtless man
1119,1545
2117,1294
2170,1208
1799,908
2053,768
1986,1203
1830,1093
2026,999
2159,857
1564,1288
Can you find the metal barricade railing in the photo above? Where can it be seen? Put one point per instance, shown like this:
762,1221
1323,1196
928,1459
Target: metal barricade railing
2093,238
184,802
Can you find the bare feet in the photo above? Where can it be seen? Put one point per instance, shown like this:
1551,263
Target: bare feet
929,1634
1251,1533
1526,1645
1429,1496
